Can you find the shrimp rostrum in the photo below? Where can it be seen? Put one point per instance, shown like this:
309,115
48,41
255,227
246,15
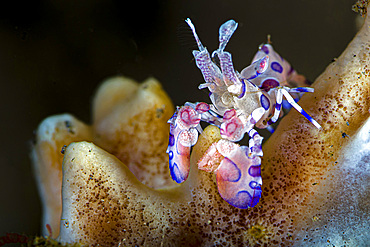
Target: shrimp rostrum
240,101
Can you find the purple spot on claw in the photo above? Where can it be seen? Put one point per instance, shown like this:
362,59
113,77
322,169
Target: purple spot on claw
269,84
277,67
241,200
265,102
265,49
176,173
171,140
255,171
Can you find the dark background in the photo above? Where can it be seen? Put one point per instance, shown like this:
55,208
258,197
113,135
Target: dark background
54,54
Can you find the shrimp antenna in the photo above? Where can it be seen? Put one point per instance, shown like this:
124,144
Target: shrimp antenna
192,27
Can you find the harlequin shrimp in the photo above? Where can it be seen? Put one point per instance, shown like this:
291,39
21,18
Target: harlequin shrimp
240,101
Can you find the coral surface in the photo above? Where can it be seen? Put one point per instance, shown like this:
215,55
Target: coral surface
315,182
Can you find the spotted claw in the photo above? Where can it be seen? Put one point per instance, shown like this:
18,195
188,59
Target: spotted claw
178,154
183,135
239,178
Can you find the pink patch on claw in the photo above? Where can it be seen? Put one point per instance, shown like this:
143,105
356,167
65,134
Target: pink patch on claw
188,117
202,107
229,114
232,129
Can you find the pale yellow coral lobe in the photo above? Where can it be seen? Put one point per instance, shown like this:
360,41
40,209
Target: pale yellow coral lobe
52,134
130,121
137,115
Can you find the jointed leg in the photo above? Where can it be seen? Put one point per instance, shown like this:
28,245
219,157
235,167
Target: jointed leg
279,99
299,109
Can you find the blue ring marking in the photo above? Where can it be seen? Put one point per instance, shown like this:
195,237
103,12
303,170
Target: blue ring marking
301,89
256,197
170,155
278,106
255,185
241,200
255,171
265,102
269,83
176,173
265,49
243,89
306,115
275,66
171,140
252,77
270,129
236,169
256,133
